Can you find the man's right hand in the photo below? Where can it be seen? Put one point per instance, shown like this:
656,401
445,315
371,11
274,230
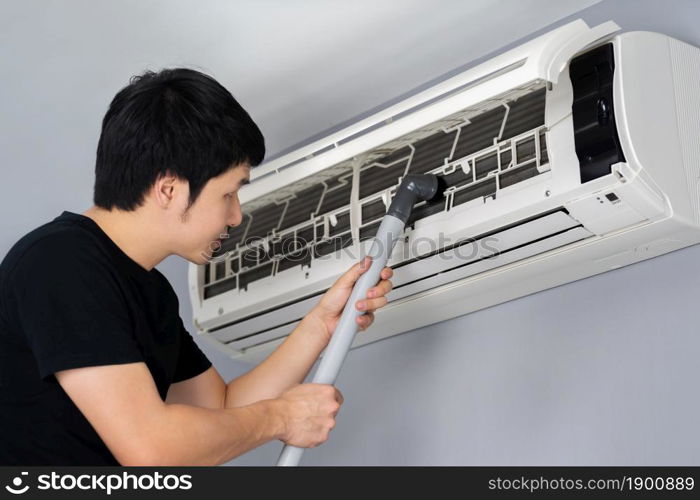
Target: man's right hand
309,412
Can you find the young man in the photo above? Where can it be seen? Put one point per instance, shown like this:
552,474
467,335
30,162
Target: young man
96,366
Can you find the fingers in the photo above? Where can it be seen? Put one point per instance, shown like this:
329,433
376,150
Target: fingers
348,279
365,320
339,396
370,305
386,273
381,289
365,262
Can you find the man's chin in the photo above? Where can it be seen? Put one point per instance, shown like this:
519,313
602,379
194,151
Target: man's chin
204,258
200,258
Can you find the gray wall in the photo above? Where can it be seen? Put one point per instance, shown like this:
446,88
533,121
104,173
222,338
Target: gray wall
600,371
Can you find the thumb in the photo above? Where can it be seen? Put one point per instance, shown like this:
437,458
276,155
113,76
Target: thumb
348,279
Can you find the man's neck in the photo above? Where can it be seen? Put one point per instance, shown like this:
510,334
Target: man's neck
127,230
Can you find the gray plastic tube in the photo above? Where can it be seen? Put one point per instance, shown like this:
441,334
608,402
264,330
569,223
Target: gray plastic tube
389,231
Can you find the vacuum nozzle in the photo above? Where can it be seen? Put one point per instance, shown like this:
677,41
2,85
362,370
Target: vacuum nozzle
415,188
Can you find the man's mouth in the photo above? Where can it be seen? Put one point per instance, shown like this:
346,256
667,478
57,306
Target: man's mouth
217,241
221,238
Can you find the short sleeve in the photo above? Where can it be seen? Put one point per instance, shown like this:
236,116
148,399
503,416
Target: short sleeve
191,360
70,308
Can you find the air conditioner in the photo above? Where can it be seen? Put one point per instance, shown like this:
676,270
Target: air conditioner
575,153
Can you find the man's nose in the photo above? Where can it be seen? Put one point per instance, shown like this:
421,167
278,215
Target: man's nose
236,218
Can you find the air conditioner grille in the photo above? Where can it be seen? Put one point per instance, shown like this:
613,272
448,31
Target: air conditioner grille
494,149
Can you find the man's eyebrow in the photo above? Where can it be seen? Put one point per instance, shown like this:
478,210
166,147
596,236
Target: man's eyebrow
244,181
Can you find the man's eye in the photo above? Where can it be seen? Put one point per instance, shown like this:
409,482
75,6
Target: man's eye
228,195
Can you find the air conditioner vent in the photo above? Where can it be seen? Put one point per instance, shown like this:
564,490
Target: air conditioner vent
501,144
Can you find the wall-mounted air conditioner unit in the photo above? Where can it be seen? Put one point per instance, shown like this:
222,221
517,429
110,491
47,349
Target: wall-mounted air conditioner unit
573,154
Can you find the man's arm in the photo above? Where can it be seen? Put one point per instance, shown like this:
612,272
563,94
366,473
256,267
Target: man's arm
140,429
285,367
206,390
290,363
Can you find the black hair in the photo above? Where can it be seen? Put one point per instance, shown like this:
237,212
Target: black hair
176,121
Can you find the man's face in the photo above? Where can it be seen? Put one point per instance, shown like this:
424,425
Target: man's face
204,225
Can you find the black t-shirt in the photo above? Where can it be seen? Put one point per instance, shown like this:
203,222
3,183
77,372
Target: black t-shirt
69,298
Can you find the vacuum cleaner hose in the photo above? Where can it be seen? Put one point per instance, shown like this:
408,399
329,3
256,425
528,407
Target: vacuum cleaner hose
413,188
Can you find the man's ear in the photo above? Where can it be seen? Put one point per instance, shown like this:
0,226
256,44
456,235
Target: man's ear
165,189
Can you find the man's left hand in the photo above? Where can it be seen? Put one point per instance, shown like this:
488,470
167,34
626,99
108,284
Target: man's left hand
330,308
